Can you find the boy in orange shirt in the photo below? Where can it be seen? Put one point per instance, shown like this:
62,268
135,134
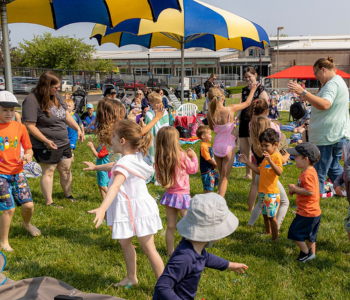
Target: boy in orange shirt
270,169
307,221
13,183
210,178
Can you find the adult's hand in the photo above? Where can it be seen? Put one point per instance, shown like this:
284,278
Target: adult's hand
50,145
295,88
81,137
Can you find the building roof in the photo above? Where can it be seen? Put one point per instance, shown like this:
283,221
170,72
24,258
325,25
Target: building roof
312,37
311,45
245,59
163,53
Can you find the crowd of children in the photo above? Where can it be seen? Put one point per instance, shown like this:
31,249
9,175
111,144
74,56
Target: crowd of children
151,152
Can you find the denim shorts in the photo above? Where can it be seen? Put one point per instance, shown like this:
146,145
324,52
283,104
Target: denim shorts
14,189
270,204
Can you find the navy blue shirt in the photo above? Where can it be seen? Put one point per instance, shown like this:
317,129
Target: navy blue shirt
165,103
181,275
144,103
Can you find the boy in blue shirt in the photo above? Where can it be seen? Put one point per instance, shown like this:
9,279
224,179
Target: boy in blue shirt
72,134
90,118
210,178
208,220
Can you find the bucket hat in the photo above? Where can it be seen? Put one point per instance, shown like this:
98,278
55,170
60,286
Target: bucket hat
297,110
208,219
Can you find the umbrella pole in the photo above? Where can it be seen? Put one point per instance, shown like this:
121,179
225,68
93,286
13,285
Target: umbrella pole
182,69
6,48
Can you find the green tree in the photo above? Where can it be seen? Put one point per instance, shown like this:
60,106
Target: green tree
47,51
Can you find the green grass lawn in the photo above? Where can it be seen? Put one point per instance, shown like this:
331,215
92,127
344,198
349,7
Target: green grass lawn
72,250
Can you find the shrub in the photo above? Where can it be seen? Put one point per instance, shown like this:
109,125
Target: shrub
235,90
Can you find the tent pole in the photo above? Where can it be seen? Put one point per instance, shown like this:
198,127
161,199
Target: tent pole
182,69
6,48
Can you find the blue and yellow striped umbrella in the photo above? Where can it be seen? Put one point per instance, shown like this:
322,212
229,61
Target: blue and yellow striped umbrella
212,26
197,25
58,13
208,41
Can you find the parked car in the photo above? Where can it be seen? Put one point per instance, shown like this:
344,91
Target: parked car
131,86
2,83
116,81
25,87
22,78
67,85
156,83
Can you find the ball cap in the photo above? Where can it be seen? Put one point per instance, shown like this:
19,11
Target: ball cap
8,100
307,149
89,105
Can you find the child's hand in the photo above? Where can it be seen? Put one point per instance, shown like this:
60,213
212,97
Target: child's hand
91,139
190,153
237,267
291,188
267,156
100,214
27,158
90,166
159,113
91,145
242,158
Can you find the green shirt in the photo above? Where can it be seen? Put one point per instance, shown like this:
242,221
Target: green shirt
329,126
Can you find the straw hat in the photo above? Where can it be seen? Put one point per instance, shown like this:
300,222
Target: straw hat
208,219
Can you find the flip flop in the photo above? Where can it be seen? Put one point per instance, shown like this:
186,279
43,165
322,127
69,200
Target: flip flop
71,198
2,266
54,205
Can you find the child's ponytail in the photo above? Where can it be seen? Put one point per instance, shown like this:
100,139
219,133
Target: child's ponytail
214,95
132,132
145,143
257,107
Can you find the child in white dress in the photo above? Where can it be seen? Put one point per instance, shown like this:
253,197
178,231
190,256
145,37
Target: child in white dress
131,210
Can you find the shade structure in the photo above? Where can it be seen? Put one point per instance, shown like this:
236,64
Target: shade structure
198,24
58,13
303,72
208,41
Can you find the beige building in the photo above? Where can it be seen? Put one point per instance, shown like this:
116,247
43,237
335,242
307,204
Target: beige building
306,51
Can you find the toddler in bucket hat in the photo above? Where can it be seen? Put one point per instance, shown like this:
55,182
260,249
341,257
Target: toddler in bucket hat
208,220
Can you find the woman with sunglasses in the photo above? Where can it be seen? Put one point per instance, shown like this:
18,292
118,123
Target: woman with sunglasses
329,120
46,117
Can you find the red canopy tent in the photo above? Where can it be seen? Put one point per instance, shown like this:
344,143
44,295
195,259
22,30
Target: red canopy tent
302,72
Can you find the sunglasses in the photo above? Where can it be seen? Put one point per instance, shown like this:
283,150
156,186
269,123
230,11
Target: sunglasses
138,94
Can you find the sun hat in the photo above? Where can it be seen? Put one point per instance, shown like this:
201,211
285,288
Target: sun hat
89,105
8,100
307,149
208,219
297,110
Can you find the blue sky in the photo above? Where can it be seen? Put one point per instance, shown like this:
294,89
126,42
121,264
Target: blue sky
298,17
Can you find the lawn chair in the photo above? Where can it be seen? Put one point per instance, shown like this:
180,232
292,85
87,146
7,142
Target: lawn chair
188,109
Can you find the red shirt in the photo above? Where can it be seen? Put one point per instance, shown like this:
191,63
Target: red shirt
12,135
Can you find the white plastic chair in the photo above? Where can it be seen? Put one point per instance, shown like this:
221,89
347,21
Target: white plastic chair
284,105
188,109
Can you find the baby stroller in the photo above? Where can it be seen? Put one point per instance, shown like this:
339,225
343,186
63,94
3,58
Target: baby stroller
80,99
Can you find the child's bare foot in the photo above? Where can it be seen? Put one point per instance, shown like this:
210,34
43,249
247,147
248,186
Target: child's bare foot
247,177
31,229
127,282
6,247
